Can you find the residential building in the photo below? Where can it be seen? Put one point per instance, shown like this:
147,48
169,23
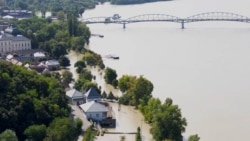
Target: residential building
75,97
100,112
94,110
11,41
52,64
92,95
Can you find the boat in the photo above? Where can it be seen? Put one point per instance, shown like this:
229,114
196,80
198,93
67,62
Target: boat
112,56
99,35
116,17
115,57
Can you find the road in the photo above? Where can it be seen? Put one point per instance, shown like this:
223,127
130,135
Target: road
77,113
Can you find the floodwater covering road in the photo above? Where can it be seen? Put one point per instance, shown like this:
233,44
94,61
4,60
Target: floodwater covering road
127,119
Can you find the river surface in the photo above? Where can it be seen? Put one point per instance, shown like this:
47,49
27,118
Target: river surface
204,68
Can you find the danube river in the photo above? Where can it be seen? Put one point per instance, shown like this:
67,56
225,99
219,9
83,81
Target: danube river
204,68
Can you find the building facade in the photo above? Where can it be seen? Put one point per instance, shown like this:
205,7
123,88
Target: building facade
10,43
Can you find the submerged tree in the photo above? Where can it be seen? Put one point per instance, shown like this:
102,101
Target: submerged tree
194,138
168,123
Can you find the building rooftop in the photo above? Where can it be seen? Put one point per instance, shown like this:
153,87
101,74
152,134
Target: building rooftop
93,107
73,93
92,93
52,63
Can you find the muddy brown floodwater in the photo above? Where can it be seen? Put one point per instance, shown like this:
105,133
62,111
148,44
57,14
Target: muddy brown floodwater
127,119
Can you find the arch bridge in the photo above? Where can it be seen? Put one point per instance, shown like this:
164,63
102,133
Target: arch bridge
208,16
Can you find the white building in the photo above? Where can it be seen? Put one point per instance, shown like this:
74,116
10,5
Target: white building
10,43
94,110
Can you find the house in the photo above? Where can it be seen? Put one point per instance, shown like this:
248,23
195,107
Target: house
39,56
94,110
92,95
75,97
11,40
37,68
52,64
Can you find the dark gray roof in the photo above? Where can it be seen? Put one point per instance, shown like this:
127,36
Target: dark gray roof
7,37
92,93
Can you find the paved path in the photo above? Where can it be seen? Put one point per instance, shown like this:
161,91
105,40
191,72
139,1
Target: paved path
77,113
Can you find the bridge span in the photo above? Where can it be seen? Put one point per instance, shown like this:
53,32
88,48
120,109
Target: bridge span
208,16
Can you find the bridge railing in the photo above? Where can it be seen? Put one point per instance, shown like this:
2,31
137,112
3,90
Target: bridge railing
208,16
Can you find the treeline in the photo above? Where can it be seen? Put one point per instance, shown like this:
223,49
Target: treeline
123,2
34,106
56,38
165,118
55,6
48,5
84,82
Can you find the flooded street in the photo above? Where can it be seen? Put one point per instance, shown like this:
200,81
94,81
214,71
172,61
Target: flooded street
127,119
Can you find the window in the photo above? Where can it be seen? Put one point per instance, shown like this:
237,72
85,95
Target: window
97,114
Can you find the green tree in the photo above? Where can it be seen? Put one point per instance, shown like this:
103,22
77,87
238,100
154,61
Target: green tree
110,75
168,123
80,66
72,23
61,129
89,134
64,61
67,76
126,99
58,50
86,75
142,91
90,58
61,16
151,109
126,82
194,138
93,59
36,132
78,43
28,98
168,101
78,125
8,135
88,84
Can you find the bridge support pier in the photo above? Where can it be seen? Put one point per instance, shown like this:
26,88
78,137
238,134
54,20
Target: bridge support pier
124,25
182,24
